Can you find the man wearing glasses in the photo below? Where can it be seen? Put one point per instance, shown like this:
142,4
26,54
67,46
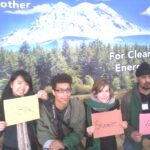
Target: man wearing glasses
61,126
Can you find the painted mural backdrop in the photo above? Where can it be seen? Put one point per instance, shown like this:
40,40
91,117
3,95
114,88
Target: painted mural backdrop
89,39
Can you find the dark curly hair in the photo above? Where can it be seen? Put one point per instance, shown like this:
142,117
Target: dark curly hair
60,78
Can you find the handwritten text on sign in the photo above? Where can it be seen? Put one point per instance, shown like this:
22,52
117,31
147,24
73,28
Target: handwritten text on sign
144,124
21,109
107,123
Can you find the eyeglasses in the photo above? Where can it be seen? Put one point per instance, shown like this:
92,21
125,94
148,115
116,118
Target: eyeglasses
62,91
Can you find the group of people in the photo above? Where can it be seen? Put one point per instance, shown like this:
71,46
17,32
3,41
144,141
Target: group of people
64,122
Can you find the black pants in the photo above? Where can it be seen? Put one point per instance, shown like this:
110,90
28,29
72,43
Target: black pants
8,148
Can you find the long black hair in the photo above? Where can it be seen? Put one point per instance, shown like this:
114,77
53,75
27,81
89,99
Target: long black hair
7,92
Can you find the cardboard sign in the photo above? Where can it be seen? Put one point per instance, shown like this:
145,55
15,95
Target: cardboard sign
107,123
21,109
144,123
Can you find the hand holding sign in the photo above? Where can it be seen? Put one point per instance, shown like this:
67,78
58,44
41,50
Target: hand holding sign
107,123
90,130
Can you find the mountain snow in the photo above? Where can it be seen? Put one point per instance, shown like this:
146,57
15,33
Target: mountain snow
85,20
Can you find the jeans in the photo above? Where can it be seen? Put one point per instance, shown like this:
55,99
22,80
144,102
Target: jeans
8,148
129,145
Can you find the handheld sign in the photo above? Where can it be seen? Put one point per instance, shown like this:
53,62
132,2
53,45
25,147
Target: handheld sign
107,123
21,109
144,123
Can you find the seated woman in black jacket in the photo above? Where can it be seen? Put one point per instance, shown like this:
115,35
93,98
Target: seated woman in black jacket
21,136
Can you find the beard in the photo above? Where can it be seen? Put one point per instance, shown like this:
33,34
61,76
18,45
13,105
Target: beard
146,86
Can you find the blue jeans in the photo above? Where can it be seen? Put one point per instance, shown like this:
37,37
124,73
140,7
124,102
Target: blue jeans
129,145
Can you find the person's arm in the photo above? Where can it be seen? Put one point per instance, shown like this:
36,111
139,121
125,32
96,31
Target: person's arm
44,132
42,95
126,113
57,145
74,138
2,126
90,130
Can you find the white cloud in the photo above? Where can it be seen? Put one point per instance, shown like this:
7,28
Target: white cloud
146,12
44,8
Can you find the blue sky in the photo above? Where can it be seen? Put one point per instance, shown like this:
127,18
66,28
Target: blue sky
129,9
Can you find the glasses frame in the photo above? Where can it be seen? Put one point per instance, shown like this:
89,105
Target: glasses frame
62,91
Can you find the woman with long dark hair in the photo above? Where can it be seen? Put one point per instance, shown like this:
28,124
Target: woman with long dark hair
21,136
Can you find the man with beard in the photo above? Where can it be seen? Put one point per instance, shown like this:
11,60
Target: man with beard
135,102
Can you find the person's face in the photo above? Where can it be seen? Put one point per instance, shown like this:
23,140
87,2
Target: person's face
19,86
144,82
104,95
62,93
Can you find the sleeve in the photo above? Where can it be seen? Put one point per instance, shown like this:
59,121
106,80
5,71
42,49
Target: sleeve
2,118
126,113
117,105
74,138
44,127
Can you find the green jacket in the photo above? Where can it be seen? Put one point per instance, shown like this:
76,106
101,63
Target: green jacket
126,110
131,108
74,117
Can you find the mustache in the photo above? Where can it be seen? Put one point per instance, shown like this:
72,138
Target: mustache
147,83
146,86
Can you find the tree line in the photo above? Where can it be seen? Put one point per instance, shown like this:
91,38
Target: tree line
84,63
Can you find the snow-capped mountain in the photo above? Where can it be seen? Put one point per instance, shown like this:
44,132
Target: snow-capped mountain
86,20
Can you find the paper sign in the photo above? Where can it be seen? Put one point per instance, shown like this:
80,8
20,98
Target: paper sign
107,123
144,123
22,109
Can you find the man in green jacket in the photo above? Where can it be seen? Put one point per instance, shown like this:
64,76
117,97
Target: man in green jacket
62,122
134,103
